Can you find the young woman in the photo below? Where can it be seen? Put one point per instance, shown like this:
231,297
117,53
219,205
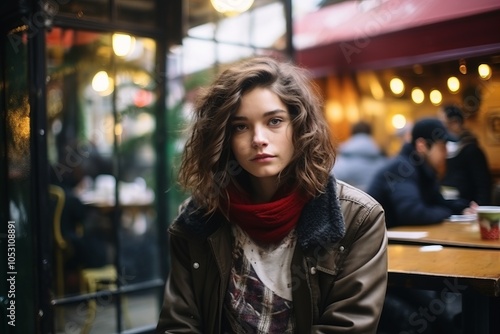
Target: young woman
269,242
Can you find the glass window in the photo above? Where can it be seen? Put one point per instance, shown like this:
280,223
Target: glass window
269,26
101,108
235,29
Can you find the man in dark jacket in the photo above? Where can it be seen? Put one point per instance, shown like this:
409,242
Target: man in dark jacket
408,186
467,172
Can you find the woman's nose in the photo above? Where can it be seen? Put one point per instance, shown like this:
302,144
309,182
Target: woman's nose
259,137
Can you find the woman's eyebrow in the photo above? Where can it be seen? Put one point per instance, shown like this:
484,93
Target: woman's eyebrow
266,114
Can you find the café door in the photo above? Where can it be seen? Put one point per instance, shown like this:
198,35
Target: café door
84,176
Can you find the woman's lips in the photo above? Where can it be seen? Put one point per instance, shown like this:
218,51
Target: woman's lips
262,157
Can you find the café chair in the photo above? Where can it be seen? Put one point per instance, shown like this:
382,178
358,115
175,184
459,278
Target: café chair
91,279
97,279
58,198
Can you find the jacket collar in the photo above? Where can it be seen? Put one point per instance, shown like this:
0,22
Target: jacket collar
321,222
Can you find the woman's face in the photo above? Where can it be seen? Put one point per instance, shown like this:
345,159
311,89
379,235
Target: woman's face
262,134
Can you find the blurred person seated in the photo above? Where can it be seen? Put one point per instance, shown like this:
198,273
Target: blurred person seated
359,157
408,187
467,173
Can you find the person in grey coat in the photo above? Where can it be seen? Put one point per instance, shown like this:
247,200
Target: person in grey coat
359,157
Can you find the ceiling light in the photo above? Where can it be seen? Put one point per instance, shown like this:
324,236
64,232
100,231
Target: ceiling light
231,7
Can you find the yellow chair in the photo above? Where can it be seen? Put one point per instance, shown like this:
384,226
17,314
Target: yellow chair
58,198
96,279
91,279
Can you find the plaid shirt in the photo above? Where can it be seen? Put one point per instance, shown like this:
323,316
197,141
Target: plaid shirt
250,305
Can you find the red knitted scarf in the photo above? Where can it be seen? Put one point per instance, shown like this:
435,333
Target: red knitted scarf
267,222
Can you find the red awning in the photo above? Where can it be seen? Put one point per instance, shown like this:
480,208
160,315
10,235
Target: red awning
377,34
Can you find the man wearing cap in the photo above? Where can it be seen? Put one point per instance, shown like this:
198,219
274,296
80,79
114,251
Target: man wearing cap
467,172
408,186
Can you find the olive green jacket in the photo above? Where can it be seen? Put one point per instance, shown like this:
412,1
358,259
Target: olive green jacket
339,267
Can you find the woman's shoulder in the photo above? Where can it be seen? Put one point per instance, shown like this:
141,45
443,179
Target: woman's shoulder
359,208
193,221
363,215
355,196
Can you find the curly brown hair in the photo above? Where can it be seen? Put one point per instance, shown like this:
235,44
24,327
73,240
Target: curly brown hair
208,165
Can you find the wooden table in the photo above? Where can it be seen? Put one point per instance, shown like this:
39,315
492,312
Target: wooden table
474,273
461,234
478,269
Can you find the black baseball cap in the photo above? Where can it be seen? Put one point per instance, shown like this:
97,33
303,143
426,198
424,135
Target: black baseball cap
432,130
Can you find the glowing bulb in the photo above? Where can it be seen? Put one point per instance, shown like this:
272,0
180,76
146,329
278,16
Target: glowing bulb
453,84
398,121
397,86
484,71
436,97
231,7
100,82
122,44
417,95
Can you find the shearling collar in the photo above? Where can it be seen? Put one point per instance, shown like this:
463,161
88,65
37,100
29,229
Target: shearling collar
321,221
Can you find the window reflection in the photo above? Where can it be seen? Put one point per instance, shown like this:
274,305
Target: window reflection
101,97
17,190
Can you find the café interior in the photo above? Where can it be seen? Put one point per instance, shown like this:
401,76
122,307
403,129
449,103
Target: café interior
95,96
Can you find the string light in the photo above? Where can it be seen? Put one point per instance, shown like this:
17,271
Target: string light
417,95
435,97
397,86
484,71
453,84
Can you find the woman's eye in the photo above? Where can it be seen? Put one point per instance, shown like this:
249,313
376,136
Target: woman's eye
239,127
275,121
